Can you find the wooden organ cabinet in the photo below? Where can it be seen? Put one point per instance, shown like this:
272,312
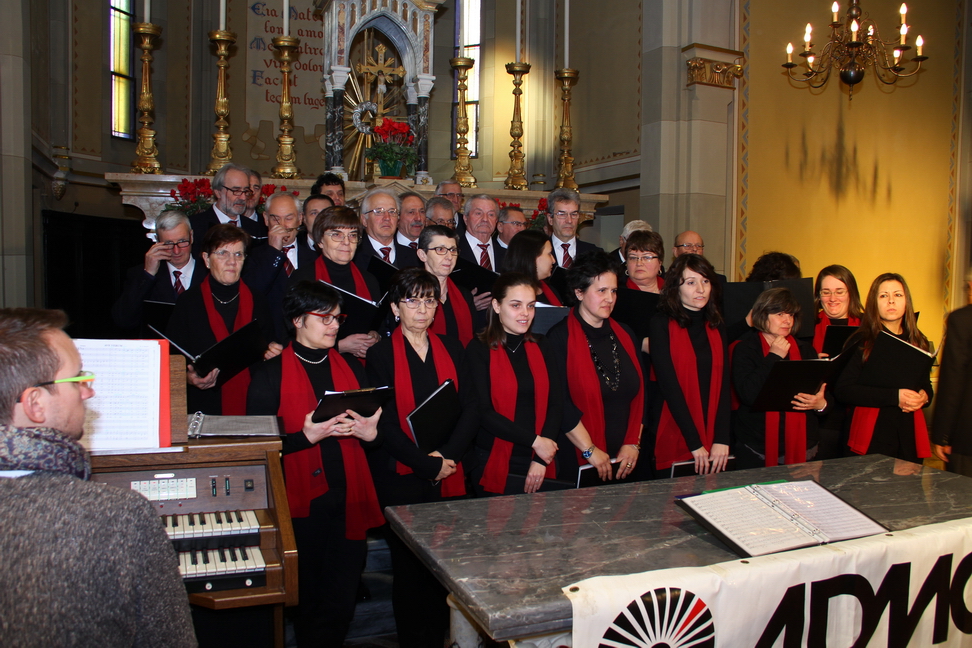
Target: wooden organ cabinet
224,505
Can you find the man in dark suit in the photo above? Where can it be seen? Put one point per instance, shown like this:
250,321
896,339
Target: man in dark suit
476,243
412,220
314,205
951,436
330,185
511,222
379,215
256,185
438,211
268,267
452,191
169,270
617,255
231,184
563,217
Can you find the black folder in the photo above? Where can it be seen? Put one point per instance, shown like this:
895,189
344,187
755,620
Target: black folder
835,338
636,308
587,476
243,347
363,314
156,314
893,363
432,422
364,401
791,377
382,271
739,297
473,276
545,317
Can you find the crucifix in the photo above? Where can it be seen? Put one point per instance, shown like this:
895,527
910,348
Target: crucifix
381,71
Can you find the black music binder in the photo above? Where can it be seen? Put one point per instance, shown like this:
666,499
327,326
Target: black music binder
836,337
893,363
545,316
365,402
635,308
363,314
471,276
243,347
788,378
433,421
739,296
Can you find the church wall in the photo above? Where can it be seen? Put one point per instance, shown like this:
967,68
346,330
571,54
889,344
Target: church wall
869,183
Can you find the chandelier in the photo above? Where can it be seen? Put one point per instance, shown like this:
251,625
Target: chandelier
855,43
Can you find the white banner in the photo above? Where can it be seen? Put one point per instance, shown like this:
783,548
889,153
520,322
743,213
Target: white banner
907,588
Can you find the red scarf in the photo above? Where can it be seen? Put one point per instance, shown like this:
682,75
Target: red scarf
794,424
548,292
233,391
360,287
445,368
862,430
669,443
305,469
585,386
460,310
504,393
633,286
820,330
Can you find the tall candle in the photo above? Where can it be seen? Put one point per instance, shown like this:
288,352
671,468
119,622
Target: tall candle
148,11
834,9
789,52
904,34
904,12
566,33
517,46
222,15
286,17
919,43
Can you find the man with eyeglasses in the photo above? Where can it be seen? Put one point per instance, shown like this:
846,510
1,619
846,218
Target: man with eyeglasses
563,217
169,270
511,222
452,191
379,214
231,185
256,185
439,211
688,242
83,564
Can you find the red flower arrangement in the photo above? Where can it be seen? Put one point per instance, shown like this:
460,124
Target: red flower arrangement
394,146
191,196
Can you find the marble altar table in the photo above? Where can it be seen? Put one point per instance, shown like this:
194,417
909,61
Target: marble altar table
505,559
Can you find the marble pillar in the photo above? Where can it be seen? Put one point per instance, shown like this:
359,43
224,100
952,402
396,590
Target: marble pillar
423,88
335,116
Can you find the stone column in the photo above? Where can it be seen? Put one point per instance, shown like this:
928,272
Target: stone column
335,116
423,88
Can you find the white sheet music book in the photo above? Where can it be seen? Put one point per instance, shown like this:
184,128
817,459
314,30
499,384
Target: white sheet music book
124,413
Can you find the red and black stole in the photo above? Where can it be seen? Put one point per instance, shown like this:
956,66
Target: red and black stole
585,386
233,391
460,309
445,368
360,287
794,423
633,286
670,445
820,329
305,469
549,293
503,390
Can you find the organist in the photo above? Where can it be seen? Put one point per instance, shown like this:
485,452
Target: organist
83,564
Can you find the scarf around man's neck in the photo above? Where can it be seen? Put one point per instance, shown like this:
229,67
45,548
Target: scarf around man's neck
42,449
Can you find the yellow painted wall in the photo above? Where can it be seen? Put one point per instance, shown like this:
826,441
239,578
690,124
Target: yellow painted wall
862,182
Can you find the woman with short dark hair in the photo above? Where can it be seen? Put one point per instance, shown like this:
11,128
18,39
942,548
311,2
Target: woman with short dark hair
771,438
507,375
643,254
329,486
438,250
689,354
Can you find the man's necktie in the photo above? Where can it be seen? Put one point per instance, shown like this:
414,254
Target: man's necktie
568,261
386,254
484,256
288,266
177,284
413,245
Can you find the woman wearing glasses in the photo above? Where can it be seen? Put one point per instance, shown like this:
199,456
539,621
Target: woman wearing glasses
329,487
507,371
438,249
416,362
209,312
643,251
531,253
337,232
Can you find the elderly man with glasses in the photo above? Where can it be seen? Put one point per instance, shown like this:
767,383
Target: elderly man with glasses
232,188
380,210
169,270
688,242
563,217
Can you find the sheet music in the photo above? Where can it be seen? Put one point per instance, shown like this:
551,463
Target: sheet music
824,510
124,412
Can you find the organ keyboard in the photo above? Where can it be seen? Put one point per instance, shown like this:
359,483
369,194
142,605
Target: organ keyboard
223,504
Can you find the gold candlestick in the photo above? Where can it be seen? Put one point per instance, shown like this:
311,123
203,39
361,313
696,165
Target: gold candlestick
515,178
463,174
285,47
565,171
147,160
222,153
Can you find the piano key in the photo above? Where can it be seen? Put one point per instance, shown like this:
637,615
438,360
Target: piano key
251,518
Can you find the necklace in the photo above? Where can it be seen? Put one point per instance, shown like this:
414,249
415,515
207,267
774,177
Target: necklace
230,301
612,382
313,362
517,346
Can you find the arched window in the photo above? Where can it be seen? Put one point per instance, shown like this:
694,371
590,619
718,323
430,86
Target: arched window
121,16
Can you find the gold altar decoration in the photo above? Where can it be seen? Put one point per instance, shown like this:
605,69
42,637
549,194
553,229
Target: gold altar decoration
515,178
565,169
285,49
146,150
463,174
222,153
703,71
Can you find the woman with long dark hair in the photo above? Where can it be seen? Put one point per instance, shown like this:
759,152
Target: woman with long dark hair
531,253
766,438
329,487
837,300
507,374
689,354
886,420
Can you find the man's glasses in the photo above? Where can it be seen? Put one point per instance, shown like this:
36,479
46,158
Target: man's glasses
514,223
442,250
330,318
691,246
341,237
381,211
452,196
413,303
84,377
181,243
563,215
239,192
